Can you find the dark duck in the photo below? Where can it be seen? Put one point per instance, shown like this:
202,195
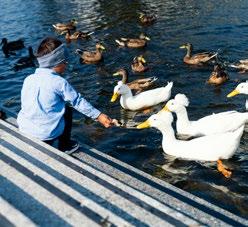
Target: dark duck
26,62
9,47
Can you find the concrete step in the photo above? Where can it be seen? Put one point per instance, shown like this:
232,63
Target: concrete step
43,186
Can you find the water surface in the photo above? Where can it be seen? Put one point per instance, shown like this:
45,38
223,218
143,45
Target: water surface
208,25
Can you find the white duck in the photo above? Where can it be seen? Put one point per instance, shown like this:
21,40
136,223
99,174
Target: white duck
142,100
242,88
211,124
205,148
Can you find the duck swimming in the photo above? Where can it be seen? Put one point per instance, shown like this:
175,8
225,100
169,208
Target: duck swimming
76,35
211,124
242,66
138,85
62,27
138,64
25,62
133,43
9,47
206,148
144,99
196,59
92,56
147,19
218,76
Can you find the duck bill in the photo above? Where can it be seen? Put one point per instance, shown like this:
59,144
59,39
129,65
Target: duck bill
166,109
143,60
116,74
147,38
102,47
145,124
182,47
233,93
114,97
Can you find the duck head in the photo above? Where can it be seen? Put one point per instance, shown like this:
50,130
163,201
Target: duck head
120,89
73,21
187,46
156,121
140,59
143,36
242,88
177,104
100,46
122,72
4,41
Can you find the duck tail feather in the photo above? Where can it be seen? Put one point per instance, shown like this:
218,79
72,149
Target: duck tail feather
153,79
119,42
169,85
78,51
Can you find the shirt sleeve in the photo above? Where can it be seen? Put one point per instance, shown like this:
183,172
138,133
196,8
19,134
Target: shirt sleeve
69,94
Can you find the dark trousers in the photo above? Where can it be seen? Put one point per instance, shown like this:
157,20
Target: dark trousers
62,142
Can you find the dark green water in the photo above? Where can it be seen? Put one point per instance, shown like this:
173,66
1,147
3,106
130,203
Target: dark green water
208,25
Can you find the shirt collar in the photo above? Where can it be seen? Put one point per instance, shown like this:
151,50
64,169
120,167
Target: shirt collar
45,71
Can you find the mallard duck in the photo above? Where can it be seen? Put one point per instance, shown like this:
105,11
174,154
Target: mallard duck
137,65
206,148
9,47
138,85
147,19
242,88
92,56
196,59
133,43
242,66
62,27
25,62
76,35
144,99
218,76
211,124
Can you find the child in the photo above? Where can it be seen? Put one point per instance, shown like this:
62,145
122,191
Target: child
44,113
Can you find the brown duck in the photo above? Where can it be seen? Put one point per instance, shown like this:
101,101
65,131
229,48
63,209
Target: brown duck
76,35
218,76
138,85
133,43
147,19
196,59
62,27
92,56
242,66
138,64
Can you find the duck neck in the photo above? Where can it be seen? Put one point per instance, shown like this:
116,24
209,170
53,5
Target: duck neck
168,133
31,53
128,93
189,50
182,117
124,77
246,104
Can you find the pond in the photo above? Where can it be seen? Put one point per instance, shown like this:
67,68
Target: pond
209,25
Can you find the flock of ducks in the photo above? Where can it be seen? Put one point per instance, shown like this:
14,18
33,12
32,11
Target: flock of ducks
9,49
215,137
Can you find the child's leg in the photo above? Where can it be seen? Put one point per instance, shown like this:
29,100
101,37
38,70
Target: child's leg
54,143
65,138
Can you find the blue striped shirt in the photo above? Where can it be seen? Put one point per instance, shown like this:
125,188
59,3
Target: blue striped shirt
43,98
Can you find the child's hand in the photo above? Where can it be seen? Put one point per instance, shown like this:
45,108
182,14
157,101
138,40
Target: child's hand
105,120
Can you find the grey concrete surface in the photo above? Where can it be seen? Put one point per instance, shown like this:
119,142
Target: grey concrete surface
41,186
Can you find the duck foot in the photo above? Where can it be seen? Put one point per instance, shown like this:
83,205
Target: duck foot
224,170
148,110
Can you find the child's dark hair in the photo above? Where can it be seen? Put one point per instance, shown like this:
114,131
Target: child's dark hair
47,45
